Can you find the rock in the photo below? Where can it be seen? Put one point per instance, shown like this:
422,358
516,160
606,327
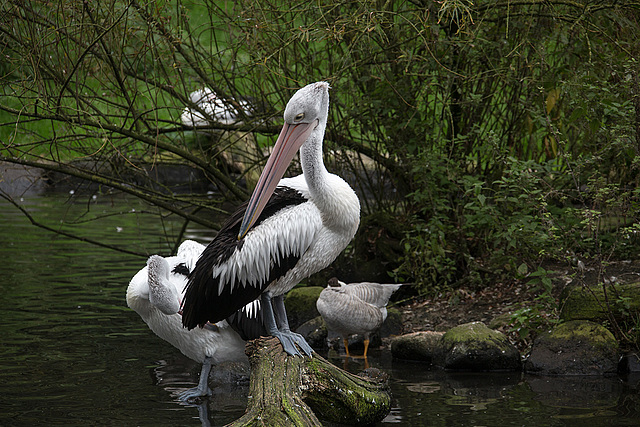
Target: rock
315,332
419,346
301,305
392,324
18,180
578,347
581,303
473,346
629,363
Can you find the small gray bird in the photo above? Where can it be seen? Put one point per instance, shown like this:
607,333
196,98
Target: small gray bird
356,308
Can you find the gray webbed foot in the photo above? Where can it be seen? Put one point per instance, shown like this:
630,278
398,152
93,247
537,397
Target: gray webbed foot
289,340
194,393
202,390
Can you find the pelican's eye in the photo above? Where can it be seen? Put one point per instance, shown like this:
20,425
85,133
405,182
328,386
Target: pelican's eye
299,117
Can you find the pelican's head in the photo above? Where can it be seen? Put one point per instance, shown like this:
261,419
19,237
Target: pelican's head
305,113
308,106
162,294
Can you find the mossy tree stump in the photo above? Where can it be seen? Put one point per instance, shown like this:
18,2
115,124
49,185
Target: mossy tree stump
290,390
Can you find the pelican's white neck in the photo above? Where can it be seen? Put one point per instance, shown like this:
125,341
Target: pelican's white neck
336,200
311,161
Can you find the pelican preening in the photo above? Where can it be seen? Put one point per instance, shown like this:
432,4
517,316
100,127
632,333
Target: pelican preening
155,294
215,108
357,308
289,229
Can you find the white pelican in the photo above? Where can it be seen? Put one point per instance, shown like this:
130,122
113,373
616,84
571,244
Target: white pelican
155,294
214,107
357,308
289,229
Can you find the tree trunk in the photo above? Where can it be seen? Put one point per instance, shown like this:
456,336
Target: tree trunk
288,391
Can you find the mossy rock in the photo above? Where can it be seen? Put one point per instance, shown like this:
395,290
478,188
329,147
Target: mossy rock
622,300
419,346
578,347
475,347
301,305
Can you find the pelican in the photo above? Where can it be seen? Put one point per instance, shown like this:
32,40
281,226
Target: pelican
215,108
357,308
289,229
155,294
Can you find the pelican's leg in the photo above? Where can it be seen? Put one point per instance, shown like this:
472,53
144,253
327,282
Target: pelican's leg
281,314
203,385
286,337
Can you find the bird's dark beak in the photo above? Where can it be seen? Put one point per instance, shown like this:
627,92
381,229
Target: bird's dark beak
287,145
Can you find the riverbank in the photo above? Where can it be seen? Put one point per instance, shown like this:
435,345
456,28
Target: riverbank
503,305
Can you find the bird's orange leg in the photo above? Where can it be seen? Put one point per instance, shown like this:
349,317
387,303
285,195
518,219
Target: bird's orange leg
346,346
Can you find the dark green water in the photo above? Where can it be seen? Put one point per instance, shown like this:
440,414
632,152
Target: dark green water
73,354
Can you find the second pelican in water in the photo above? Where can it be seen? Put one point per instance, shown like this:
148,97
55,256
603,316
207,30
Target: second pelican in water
155,293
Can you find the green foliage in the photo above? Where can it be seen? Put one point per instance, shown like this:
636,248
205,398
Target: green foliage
464,226
522,218
497,133
528,321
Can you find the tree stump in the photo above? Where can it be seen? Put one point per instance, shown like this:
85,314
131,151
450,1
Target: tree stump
289,390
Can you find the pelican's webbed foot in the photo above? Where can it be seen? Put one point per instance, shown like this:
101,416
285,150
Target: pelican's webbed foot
202,390
289,340
281,329
194,393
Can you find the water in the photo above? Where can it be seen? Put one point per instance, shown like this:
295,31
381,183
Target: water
73,353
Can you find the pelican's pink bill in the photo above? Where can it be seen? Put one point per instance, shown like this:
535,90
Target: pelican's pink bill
287,145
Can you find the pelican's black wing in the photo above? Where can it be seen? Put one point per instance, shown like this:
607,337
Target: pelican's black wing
228,276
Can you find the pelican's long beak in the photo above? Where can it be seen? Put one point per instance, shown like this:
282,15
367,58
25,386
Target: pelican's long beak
287,145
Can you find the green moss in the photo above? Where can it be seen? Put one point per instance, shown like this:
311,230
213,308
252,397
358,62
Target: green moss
473,346
580,303
475,335
581,330
357,402
301,305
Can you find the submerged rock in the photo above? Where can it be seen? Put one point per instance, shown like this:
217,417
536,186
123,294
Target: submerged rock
419,346
230,373
473,346
598,394
578,347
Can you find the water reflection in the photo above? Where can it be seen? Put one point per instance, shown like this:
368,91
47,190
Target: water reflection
229,384
73,354
576,392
